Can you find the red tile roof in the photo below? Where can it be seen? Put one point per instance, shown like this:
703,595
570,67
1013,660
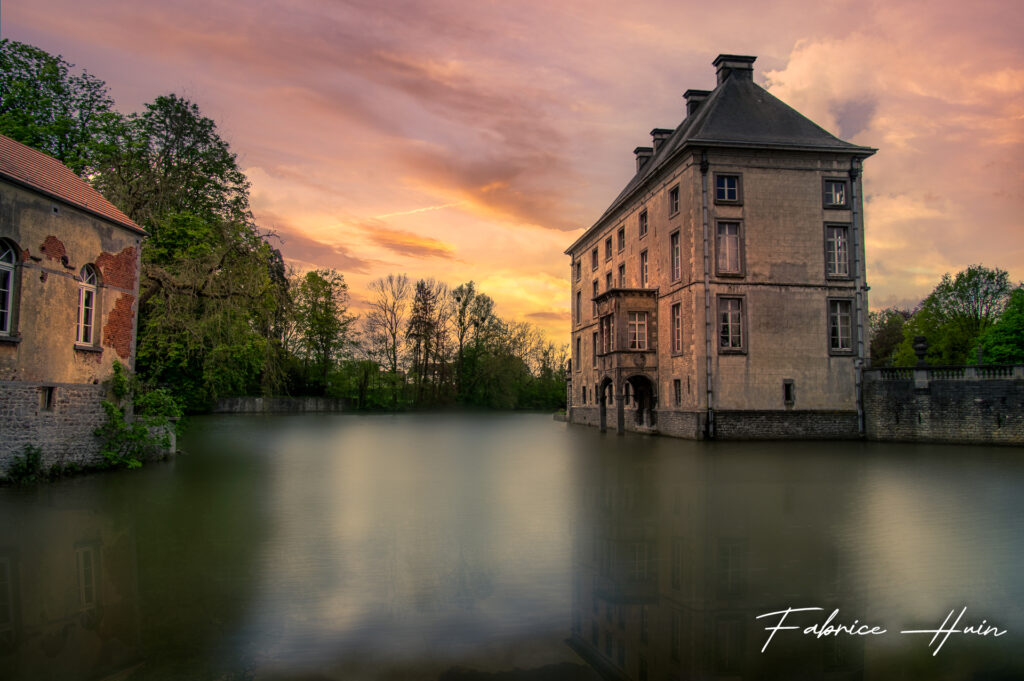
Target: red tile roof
34,169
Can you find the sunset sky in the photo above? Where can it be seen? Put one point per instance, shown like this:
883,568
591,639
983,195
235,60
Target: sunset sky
471,139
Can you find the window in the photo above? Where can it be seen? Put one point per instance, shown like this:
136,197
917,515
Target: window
788,392
608,281
637,330
729,249
834,194
579,306
677,391
643,269
607,333
594,348
608,248
594,310
728,189
837,251
46,398
579,270
584,395
593,259
87,306
840,328
677,327
676,255
673,200
643,223
8,265
622,276
730,325
579,358
622,239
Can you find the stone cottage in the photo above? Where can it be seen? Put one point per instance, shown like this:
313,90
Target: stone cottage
722,293
69,282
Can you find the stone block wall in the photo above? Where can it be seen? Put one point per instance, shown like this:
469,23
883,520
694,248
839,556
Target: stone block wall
979,405
64,432
786,425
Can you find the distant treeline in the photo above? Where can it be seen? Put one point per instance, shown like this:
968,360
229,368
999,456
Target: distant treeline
219,313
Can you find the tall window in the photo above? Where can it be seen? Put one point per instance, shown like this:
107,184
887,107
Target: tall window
593,259
643,269
579,365
730,324
728,247
579,270
87,306
621,238
594,348
677,391
837,251
607,333
8,262
607,281
727,189
677,327
643,223
637,330
622,276
840,328
676,256
673,200
608,248
594,310
579,306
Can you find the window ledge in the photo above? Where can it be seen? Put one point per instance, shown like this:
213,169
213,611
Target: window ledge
12,340
82,347
732,351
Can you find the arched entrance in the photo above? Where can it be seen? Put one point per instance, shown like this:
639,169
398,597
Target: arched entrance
644,401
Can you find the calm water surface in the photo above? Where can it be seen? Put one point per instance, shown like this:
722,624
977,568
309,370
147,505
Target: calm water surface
512,547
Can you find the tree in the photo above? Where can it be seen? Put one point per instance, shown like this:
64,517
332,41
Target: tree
322,322
386,323
1003,342
955,315
46,106
886,334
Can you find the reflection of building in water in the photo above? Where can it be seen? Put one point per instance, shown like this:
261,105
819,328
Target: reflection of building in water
68,595
681,557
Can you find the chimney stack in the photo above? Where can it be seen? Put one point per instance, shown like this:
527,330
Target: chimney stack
658,137
693,99
734,66
643,155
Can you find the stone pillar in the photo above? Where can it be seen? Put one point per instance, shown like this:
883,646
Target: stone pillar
620,412
603,409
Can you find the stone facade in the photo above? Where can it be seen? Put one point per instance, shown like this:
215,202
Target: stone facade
983,404
723,293
69,306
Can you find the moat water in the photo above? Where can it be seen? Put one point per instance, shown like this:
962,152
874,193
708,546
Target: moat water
515,547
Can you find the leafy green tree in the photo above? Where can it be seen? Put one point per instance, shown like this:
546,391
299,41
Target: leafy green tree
45,105
1003,342
955,315
322,322
886,334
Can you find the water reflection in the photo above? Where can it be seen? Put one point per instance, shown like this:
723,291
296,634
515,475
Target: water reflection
464,548
686,544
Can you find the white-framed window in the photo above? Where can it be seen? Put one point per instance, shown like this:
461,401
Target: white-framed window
637,330
607,333
8,268
728,188
835,193
677,327
643,269
837,251
673,200
87,306
730,324
840,326
729,248
643,223
676,255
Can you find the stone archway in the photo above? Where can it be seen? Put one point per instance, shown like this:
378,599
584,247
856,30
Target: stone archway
645,399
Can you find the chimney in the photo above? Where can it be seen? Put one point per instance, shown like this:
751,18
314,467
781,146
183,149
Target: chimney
693,99
658,137
735,66
643,155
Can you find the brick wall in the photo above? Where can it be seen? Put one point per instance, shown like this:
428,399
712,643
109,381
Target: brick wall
956,405
64,433
785,425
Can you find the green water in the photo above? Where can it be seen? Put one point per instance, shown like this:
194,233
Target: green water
512,547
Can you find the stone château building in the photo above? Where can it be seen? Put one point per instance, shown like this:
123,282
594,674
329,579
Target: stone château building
69,282
723,294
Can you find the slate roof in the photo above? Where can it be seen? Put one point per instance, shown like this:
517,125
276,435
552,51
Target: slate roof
738,113
33,169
